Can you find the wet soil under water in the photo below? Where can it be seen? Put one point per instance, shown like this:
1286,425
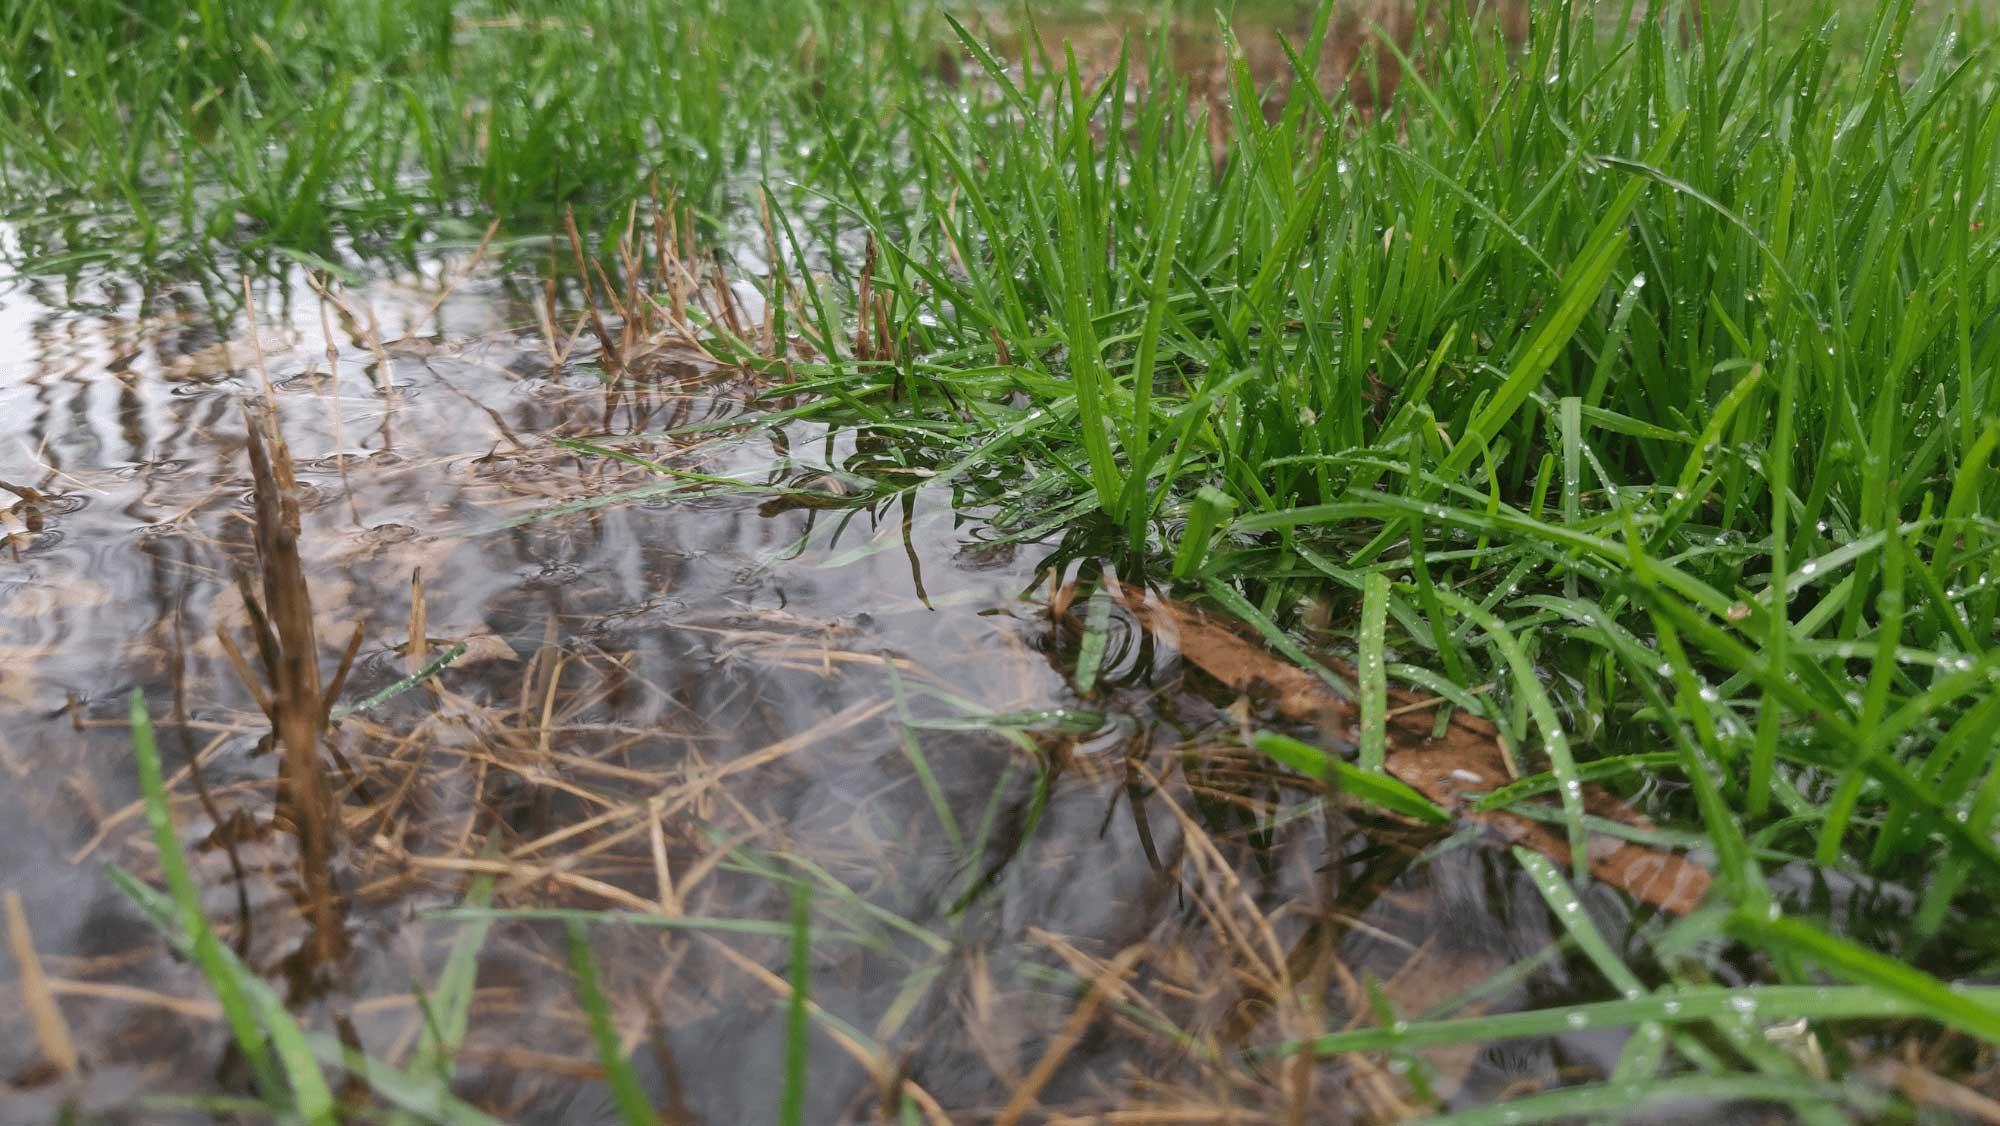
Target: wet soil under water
684,702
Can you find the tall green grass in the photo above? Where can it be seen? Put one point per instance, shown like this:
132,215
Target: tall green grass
1649,373
165,130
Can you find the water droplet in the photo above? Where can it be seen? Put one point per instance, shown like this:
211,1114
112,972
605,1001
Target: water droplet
1577,1020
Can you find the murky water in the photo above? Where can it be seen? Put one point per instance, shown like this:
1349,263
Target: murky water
678,698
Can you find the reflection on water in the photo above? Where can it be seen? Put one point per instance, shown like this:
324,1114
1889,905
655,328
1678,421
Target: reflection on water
676,698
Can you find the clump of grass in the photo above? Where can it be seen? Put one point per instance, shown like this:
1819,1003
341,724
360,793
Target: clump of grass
1643,376
1646,375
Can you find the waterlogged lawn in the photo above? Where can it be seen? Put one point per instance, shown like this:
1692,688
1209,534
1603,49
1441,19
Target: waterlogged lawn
1554,503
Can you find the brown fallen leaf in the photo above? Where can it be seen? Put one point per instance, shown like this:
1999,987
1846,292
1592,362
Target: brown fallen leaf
1453,770
1214,646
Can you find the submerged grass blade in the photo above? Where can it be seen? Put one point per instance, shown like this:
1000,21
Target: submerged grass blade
798,1025
303,1088
634,1109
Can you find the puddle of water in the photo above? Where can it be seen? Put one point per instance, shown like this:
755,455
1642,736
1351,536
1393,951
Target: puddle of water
680,704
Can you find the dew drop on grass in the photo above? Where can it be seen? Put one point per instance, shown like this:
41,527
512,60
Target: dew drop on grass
1671,1007
1809,568
1577,1020
1743,1003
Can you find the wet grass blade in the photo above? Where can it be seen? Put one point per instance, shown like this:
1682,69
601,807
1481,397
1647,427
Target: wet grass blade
1372,671
1096,632
762,927
1623,1099
1643,1053
1555,738
1925,995
634,1109
1370,786
1675,1006
449,1008
798,1026
430,669
250,1021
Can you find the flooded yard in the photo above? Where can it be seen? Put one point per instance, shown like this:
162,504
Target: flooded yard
1341,566
672,697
